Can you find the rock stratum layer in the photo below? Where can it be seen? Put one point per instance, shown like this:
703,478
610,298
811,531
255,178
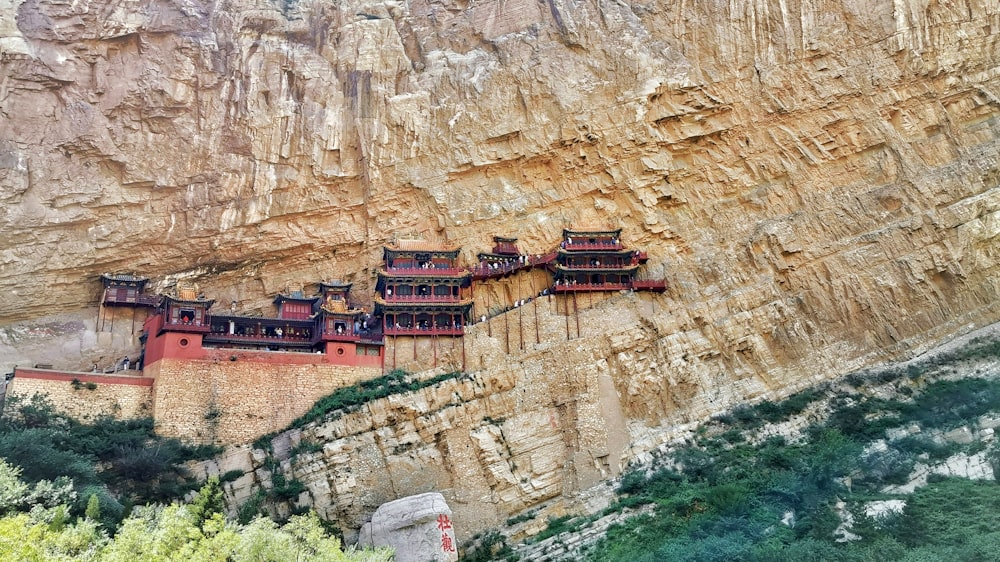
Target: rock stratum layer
817,181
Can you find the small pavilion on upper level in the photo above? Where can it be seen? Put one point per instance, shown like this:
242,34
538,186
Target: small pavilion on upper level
504,259
339,320
186,312
122,289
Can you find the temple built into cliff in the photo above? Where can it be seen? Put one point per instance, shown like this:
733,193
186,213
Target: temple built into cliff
425,300
422,291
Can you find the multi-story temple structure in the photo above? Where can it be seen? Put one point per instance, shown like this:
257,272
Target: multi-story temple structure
596,260
422,291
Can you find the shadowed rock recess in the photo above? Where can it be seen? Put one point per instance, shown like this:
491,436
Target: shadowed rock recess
817,182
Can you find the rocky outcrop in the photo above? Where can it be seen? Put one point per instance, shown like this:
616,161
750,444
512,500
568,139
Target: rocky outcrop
418,528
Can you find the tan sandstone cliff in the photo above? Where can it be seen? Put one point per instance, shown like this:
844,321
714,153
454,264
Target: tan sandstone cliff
816,180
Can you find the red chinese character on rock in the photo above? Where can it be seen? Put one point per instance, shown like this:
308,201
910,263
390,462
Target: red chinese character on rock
443,522
446,545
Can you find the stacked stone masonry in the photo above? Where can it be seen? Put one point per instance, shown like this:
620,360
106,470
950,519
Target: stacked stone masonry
229,402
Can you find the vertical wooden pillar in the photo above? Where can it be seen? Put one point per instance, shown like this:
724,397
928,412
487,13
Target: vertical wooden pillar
506,329
566,315
534,304
576,312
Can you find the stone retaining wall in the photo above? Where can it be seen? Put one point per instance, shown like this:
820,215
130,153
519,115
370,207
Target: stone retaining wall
120,396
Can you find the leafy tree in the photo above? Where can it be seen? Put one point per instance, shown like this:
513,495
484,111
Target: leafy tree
208,502
17,495
93,511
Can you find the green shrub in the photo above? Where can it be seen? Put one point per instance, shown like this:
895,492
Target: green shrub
287,491
306,446
556,525
251,508
231,475
492,546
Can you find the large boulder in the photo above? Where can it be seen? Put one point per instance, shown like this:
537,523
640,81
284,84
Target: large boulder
418,527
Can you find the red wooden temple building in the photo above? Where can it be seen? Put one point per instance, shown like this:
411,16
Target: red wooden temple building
325,324
596,260
422,291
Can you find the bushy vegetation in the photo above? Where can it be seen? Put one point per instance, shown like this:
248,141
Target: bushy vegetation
197,532
350,398
136,466
733,495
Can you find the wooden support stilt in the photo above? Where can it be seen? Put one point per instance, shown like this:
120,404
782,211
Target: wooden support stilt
520,315
133,321
506,329
534,305
393,352
576,312
101,311
489,317
566,315
112,321
414,338
520,325
434,344
463,354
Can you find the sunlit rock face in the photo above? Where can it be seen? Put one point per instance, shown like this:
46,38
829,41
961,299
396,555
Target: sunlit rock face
816,180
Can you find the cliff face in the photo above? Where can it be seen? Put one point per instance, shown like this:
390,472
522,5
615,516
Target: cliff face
837,156
816,180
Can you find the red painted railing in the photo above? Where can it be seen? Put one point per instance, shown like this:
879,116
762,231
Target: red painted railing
484,271
235,338
431,271
657,285
414,331
592,246
626,265
584,287
186,327
423,298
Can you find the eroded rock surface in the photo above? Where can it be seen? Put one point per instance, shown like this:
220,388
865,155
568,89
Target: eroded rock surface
816,180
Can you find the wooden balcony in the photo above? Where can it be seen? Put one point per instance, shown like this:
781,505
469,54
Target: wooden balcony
484,271
112,297
427,271
275,341
423,299
591,246
180,326
627,266
417,331
654,285
591,287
